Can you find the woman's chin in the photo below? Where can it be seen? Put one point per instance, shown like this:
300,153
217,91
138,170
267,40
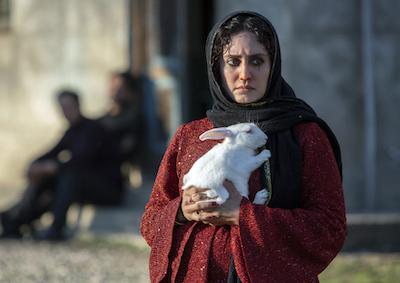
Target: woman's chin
245,99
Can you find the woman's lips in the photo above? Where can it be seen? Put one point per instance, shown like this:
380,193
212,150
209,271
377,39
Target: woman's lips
243,89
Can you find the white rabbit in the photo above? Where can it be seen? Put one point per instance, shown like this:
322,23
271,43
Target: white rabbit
233,159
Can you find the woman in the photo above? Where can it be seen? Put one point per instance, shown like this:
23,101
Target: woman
301,228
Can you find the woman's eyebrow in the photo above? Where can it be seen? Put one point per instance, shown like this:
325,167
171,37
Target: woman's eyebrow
251,55
258,55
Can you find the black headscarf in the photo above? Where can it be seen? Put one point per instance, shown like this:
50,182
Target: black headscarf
276,113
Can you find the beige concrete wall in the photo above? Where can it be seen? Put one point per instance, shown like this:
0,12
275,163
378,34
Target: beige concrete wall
52,44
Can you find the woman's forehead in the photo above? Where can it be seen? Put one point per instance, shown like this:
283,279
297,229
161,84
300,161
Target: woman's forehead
244,43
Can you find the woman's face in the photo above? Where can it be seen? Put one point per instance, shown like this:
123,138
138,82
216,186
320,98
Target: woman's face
245,68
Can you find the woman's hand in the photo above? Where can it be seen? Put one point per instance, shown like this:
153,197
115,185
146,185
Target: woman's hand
194,203
196,206
228,212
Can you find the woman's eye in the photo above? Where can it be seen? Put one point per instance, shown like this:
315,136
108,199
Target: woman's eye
257,61
233,62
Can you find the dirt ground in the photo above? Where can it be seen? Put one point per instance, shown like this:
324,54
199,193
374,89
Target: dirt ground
81,260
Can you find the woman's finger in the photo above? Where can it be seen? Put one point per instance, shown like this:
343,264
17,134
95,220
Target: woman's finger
192,190
188,193
200,197
229,186
199,206
196,216
210,216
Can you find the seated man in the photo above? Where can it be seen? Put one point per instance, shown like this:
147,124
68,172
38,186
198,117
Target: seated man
82,167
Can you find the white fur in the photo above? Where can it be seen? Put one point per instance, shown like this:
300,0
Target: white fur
234,159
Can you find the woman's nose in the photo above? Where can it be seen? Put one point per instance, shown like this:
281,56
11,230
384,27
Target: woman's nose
244,74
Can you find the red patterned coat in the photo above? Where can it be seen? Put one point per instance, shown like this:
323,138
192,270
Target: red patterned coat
270,244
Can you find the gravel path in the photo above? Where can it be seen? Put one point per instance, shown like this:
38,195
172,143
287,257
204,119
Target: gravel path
91,261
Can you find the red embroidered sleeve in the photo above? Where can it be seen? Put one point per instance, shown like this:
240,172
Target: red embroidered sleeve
159,217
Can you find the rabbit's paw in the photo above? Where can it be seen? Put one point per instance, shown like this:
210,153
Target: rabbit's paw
261,197
264,154
211,194
219,196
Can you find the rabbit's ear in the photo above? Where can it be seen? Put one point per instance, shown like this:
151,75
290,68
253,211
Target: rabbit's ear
216,134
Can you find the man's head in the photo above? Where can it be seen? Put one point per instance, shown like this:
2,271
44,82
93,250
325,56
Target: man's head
125,89
69,103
